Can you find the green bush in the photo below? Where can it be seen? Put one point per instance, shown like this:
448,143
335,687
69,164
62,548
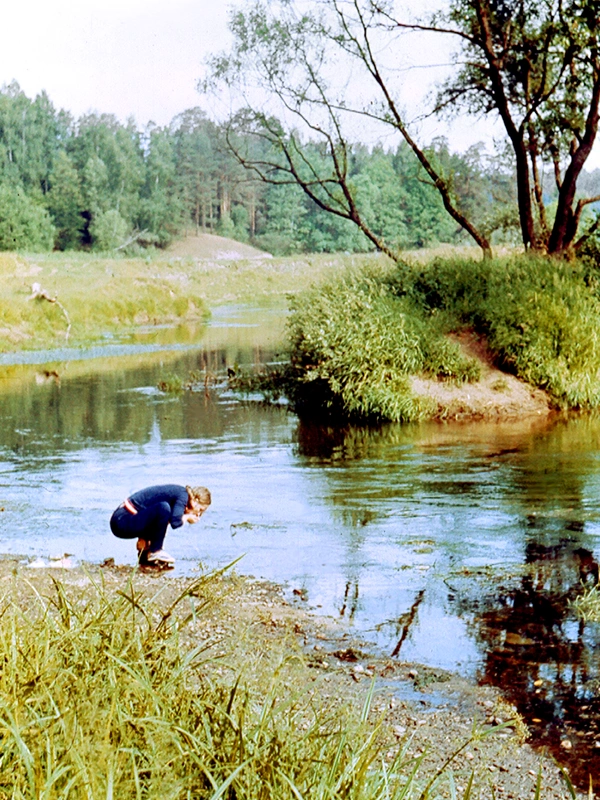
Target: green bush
543,321
456,288
355,343
24,224
108,230
354,346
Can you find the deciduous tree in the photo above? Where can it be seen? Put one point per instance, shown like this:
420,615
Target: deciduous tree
286,53
534,64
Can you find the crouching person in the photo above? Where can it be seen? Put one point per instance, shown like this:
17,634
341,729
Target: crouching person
146,514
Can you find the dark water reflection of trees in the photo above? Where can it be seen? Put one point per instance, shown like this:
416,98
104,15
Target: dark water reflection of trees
532,645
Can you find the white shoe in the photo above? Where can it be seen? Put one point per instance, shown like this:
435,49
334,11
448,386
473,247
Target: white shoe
160,556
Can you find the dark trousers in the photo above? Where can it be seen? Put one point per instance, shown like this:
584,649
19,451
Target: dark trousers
149,523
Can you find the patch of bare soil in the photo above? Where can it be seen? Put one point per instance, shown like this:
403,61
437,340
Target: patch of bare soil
207,245
497,395
430,712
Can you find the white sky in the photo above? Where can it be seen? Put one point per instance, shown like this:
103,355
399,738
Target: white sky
143,58
139,58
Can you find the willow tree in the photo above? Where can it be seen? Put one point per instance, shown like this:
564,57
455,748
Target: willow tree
317,73
535,65
327,69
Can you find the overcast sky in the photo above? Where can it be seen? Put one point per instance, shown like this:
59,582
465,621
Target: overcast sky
139,58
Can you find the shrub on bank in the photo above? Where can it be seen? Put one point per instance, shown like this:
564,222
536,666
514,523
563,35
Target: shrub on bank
543,321
541,317
355,343
354,346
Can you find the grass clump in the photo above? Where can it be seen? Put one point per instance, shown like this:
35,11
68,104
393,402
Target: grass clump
105,693
356,342
543,321
175,384
587,604
354,346
541,317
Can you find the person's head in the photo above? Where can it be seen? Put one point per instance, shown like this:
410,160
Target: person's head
199,498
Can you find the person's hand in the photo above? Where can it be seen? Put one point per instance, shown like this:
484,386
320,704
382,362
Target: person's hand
193,513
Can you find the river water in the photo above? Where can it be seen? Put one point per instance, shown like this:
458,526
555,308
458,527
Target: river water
455,545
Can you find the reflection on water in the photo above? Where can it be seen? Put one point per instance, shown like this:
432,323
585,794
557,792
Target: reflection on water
556,685
456,545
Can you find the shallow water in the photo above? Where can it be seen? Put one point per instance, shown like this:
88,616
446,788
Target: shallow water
456,545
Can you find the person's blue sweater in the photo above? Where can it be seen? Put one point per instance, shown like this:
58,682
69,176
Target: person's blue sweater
173,494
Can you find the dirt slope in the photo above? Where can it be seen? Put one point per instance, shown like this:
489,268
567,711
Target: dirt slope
207,245
497,395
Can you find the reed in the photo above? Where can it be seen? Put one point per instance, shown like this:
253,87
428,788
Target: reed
104,694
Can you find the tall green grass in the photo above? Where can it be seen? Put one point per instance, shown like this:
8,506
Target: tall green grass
541,317
354,346
355,343
107,694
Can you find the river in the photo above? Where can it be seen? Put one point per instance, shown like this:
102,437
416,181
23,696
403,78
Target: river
456,545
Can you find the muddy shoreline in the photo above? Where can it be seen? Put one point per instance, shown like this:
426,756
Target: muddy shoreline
431,712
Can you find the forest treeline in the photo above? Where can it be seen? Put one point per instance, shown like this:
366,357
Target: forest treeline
95,182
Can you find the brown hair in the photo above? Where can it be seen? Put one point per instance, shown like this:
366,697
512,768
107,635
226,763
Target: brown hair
199,494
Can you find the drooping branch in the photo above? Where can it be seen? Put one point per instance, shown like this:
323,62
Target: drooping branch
368,59
266,171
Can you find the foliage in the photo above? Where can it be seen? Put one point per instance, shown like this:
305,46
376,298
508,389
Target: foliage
175,384
24,224
544,324
162,181
354,346
541,317
536,67
165,180
65,202
301,124
108,230
355,342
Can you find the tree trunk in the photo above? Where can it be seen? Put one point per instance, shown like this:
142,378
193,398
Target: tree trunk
564,230
524,196
515,134
224,201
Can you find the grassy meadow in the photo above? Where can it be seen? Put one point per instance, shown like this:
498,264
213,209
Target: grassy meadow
360,329
99,296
